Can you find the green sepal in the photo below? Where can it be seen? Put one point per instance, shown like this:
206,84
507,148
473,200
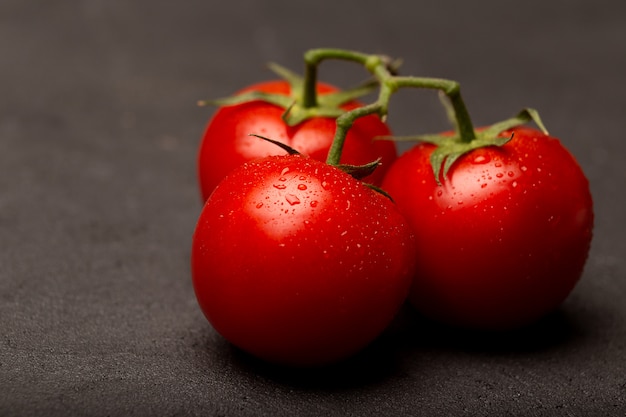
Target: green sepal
295,80
379,190
276,99
283,146
524,116
449,148
360,171
329,105
450,113
339,98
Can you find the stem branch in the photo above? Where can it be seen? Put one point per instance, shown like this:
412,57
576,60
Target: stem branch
344,123
313,58
389,84
452,90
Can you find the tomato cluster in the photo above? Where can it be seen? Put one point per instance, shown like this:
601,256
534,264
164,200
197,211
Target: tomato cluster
301,262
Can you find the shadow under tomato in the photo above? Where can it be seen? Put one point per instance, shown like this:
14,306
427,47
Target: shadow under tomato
409,339
553,330
372,365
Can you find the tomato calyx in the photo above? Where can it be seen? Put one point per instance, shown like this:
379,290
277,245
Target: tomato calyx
450,147
298,106
355,171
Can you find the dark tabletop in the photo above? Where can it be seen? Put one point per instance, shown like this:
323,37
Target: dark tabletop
98,200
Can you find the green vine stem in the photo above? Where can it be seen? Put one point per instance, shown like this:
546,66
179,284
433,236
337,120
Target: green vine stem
312,59
381,68
449,147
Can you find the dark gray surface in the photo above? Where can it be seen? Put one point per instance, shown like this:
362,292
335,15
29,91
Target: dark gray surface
98,201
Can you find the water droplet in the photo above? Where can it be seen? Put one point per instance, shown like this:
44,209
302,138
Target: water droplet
524,168
325,185
514,184
538,169
282,179
301,187
499,175
259,205
280,186
481,159
284,171
439,193
292,199
483,185
314,203
302,178
510,174
498,164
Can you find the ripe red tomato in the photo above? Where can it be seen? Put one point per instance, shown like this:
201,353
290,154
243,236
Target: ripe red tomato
226,143
504,239
296,262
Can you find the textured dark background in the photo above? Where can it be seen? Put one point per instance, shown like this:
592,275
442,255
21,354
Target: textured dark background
98,201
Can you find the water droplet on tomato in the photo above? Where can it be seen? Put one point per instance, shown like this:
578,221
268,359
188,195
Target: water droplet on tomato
292,199
481,159
325,185
314,203
284,171
510,174
514,184
259,205
282,179
498,164
524,168
280,186
483,185
301,187
499,175
439,193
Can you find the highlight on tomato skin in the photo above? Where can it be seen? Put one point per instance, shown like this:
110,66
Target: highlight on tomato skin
226,142
505,237
298,263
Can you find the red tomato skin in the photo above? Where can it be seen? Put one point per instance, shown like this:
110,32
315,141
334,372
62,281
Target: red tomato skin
226,143
504,239
298,263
